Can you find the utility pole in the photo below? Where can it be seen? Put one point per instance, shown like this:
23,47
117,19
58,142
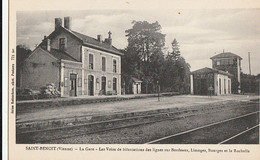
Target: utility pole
249,63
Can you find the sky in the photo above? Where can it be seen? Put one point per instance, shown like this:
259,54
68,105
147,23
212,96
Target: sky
201,33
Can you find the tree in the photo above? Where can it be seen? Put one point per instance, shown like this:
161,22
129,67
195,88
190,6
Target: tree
144,51
145,60
22,52
175,54
177,71
249,83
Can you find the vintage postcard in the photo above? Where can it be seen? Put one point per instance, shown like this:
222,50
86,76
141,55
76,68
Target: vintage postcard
133,79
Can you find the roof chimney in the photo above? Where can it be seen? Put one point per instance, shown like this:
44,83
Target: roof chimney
58,23
109,39
67,22
99,38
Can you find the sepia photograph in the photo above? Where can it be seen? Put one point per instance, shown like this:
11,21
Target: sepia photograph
135,77
131,79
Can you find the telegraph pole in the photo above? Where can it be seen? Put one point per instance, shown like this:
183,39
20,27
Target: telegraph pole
249,63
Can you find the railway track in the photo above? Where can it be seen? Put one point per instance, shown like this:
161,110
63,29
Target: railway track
192,132
227,141
41,136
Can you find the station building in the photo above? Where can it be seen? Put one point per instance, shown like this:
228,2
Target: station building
208,81
76,63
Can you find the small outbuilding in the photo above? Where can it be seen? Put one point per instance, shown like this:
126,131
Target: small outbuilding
136,85
208,81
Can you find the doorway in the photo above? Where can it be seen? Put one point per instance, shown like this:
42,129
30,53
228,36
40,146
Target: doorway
219,86
73,84
204,88
91,85
114,85
103,85
225,90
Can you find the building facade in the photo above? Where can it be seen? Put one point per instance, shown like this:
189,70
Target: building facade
229,62
208,81
76,63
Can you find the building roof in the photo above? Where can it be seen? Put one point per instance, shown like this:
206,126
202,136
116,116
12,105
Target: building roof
89,41
92,42
226,55
210,70
61,55
136,80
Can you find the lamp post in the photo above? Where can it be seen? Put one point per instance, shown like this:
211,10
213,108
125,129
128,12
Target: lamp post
158,90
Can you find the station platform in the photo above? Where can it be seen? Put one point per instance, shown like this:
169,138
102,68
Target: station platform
29,113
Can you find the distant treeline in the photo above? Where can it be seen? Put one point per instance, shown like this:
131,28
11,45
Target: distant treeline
250,83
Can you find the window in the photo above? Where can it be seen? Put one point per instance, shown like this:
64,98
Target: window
91,59
218,62
230,61
103,63
235,61
114,66
225,61
62,44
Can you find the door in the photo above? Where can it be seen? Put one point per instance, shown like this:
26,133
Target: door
137,88
204,88
103,85
114,85
219,86
73,84
225,90
91,85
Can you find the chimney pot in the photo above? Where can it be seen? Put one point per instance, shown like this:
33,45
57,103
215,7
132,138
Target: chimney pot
109,34
99,38
67,21
58,23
